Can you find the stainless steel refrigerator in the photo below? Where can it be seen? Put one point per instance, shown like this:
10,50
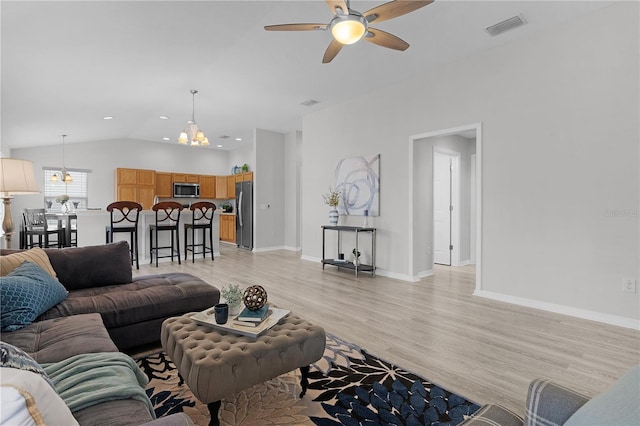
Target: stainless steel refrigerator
244,215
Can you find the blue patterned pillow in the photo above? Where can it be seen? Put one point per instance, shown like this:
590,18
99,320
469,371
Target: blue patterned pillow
27,292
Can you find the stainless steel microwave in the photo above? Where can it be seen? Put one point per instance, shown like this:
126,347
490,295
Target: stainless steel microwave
186,190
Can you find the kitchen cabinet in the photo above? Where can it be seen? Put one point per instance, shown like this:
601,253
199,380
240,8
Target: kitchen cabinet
228,228
247,176
164,184
231,187
221,187
137,185
185,178
207,186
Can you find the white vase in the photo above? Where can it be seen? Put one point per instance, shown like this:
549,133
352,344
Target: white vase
333,217
235,309
65,208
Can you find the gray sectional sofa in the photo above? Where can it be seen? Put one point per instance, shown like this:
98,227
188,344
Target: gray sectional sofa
106,310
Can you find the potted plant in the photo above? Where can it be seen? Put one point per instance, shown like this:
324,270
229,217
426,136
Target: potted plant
356,256
233,296
332,199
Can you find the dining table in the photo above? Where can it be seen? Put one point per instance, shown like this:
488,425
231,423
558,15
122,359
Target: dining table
64,222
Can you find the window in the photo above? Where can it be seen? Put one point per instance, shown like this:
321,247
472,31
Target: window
76,190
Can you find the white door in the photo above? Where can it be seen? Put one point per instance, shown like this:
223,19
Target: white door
442,176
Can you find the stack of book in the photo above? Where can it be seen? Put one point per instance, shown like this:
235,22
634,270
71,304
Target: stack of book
250,318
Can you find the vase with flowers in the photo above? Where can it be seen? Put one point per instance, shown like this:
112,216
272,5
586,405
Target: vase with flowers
63,200
356,257
332,199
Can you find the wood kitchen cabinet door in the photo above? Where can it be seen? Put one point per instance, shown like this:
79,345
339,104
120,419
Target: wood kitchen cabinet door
221,187
146,177
164,184
127,193
126,176
228,228
231,187
145,196
207,186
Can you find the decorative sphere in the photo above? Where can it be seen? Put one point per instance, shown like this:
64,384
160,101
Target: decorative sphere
254,297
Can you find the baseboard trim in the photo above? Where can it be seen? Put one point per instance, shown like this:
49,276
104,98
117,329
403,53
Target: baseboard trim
562,309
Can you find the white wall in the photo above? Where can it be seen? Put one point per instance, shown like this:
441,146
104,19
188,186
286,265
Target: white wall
103,157
269,199
292,166
560,153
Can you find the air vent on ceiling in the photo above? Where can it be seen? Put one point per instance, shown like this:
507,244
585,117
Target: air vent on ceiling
506,25
223,137
309,102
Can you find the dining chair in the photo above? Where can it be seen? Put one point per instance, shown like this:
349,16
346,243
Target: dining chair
167,219
124,217
202,218
35,224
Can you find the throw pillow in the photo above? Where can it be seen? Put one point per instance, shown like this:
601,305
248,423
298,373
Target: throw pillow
27,400
25,293
92,266
13,357
36,255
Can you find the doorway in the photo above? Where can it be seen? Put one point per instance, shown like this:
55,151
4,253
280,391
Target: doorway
428,200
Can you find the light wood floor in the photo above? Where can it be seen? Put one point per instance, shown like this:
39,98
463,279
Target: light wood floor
484,350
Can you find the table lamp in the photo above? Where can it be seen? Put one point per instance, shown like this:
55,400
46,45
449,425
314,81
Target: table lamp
16,177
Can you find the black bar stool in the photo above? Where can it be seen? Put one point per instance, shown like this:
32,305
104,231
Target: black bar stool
167,219
124,218
202,218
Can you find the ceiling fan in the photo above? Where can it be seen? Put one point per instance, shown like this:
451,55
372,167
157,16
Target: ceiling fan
348,25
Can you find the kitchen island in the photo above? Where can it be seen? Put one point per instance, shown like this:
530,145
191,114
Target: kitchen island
91,231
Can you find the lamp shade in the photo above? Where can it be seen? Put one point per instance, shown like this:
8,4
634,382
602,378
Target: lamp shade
17,177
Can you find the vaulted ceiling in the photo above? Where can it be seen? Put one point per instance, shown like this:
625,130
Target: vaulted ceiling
67,65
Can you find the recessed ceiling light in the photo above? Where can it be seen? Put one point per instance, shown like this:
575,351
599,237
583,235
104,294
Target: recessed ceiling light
164,117
166,139
238,139
219,146
108,117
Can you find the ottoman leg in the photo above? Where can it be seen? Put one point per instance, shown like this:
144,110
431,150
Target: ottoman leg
214,407
304,380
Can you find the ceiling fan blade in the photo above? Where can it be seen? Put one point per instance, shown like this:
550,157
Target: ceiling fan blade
338,7
296,27
384,39
394,9
331,52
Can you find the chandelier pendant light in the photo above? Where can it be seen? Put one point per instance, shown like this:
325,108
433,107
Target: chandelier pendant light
64,175
192,134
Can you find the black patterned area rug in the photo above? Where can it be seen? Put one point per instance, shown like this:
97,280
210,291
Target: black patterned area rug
348,386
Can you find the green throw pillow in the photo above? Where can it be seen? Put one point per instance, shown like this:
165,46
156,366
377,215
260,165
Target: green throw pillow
25,293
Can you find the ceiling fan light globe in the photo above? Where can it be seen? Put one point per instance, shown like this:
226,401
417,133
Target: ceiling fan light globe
348,29
54,177
68,178
205,142
200,137
195,143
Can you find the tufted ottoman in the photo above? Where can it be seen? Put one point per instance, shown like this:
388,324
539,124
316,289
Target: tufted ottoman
215,364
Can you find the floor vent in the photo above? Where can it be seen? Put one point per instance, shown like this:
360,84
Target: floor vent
506,25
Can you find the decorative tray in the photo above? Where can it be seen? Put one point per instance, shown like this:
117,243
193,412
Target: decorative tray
207,318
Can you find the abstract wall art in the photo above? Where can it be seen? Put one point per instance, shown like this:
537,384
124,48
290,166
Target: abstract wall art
358,180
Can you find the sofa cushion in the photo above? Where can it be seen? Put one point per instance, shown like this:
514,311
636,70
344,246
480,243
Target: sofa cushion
61,338
146,298
618,405
549,403
9,262
25,293
92,266
27,399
